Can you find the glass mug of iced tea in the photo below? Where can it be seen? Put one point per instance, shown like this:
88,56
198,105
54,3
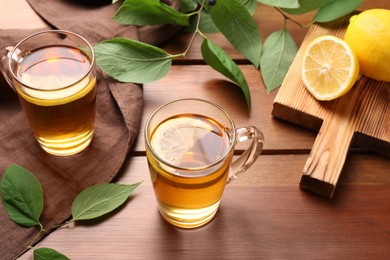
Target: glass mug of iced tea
53,74
190,146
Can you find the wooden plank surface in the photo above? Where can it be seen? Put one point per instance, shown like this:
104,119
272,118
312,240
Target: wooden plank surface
208,84
264,214
19,15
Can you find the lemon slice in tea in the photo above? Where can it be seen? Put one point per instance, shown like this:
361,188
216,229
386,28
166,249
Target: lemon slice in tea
190,141
329,68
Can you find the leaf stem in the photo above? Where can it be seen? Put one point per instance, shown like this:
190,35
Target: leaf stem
61,225
40,233
286,17
30,246
199,13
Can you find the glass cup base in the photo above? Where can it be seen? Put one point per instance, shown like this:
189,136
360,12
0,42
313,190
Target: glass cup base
65,147
188,218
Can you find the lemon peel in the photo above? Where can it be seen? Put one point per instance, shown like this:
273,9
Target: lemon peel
368,35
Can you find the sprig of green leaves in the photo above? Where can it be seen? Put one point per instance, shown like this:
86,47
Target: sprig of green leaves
131,61
22,198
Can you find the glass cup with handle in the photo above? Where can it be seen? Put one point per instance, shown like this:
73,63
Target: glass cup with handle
190,146
53,74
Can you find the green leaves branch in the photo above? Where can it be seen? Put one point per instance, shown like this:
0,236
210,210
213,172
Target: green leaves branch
22,198
131,61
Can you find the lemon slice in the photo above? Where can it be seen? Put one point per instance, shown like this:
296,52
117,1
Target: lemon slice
174,138
329,68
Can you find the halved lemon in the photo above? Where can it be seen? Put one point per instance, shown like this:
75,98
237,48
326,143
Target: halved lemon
329,68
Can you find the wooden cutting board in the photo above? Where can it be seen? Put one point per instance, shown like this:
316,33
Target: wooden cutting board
360,118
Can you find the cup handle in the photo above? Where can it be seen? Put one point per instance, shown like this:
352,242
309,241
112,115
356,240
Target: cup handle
5,53
242,163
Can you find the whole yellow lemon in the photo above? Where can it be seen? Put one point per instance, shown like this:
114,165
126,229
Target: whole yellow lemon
368,35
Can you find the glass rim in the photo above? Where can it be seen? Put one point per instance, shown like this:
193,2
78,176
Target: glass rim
175,167
64,32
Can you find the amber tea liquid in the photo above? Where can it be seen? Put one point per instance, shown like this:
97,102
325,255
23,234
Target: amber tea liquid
58,95
189,193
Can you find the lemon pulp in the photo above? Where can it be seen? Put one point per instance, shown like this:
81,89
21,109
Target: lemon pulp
190,141
329,68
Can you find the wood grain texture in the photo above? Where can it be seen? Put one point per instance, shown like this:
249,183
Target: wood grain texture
203,82
264,214
19,15
364,109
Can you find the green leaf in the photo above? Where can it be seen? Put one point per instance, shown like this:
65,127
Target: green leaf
188,5
132,61
48,254
22,196
148,12
281,3
206,24
336,9
100,199
249,4
221,62
306,6
237,25
279,51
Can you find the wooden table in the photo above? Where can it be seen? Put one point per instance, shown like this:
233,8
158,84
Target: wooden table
264,214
